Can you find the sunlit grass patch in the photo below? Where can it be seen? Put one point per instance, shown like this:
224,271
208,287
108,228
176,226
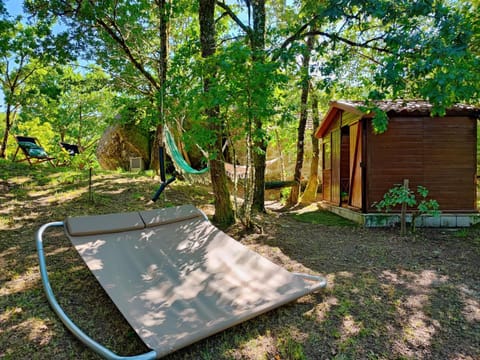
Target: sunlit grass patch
5,222
290,344
323,217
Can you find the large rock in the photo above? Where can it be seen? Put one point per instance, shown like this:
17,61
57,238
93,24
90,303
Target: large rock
119,143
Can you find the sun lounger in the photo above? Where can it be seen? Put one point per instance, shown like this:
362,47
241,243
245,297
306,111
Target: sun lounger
174,276
32,150
71,149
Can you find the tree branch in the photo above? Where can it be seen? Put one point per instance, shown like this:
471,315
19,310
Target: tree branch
301,32
370,58
297,35
224,40
118,38
235,18
347,41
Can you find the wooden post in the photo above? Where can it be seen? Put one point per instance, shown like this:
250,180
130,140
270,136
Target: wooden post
90,193
403,216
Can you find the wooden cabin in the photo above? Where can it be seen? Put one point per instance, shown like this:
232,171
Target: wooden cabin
439,153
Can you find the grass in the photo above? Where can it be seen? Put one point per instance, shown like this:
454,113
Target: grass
388,297
323,217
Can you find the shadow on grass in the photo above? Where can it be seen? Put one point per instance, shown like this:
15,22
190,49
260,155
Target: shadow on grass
388,297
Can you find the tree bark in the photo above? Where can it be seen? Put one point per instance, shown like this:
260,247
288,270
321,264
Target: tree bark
163,32
256,36
8,125
259,142
297,177
310,193
223,206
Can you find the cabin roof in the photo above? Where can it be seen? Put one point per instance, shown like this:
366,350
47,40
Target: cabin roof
404,107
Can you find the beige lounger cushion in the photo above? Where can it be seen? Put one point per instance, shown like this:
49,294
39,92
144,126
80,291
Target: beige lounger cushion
168,215
103,224
186,280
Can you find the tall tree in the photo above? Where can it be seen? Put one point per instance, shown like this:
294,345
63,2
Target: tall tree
163,33
305,87
78,105
25,49
310,193
129,40
256,38
223,206
412,48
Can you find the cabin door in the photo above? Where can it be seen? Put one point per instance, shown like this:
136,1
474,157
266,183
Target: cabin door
336,160
344,164
355,169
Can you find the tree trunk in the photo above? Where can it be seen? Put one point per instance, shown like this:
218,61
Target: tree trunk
154,163
223,206
297,177
260,142
164,30
310,194
259,164
80,118
163,33
8,125
280,153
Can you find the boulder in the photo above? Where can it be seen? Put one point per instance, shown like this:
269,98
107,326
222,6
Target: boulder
119,143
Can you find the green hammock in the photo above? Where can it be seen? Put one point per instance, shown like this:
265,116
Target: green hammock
177,156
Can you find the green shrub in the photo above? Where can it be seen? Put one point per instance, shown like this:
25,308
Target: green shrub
400,195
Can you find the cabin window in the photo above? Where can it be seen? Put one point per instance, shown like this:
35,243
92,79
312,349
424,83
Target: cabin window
327,154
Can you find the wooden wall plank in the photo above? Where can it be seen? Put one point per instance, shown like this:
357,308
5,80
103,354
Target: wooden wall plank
326,185
393,156
336,151
438,153
450,161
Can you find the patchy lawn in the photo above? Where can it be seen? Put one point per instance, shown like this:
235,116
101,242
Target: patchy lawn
388,297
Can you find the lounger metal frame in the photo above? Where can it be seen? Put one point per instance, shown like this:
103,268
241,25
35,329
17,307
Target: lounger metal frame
76,331
84,338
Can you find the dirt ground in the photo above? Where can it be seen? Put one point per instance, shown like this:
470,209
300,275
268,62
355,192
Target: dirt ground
413,297
388,297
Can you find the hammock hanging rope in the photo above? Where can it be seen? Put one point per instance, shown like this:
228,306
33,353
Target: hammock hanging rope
177,156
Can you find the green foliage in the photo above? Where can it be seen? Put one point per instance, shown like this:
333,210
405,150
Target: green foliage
290,348
400,195
77,105
462,233
242,89
42,131
284,194
84,160
397,195
398,49
363,50
380,118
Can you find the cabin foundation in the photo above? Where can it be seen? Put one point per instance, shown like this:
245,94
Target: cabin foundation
372,220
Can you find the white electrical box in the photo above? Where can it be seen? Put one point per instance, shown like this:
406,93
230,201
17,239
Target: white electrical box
136,164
